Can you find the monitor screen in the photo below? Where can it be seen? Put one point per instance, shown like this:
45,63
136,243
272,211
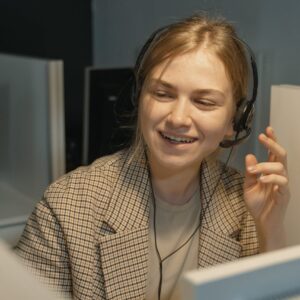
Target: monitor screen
274,275
17,283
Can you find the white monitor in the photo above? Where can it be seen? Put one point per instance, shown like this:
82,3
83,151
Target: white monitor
17,283
32,136
274,275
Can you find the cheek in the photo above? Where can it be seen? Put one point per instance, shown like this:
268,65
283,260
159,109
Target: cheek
151,113
214,124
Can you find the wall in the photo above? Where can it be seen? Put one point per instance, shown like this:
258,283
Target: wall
269,26
54,29
121,27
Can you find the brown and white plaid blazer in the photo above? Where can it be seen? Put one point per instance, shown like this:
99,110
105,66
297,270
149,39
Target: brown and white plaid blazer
89,234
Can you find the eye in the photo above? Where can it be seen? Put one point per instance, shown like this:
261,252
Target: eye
205,103
161,94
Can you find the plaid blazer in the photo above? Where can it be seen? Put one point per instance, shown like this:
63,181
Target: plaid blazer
89,234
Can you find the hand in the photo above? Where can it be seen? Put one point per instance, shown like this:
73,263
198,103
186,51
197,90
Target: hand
266,192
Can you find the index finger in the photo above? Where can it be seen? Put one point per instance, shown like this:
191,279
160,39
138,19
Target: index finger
271,134
276,151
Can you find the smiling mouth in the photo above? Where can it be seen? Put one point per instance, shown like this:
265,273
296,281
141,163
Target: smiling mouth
177,140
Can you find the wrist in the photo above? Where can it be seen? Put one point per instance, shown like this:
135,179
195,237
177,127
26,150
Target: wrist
271,238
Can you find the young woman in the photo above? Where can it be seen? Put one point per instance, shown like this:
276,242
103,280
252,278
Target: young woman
130,224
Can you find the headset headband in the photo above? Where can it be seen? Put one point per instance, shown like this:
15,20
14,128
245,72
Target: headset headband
245,109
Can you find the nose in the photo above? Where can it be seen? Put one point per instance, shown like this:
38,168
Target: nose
179,115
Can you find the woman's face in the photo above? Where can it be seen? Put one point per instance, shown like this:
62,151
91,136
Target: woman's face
186,110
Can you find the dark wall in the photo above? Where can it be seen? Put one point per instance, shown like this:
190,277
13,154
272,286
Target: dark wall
57,29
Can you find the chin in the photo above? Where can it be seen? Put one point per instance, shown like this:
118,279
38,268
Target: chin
174,163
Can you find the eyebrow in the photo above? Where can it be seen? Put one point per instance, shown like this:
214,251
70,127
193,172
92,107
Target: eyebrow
197,91
161,82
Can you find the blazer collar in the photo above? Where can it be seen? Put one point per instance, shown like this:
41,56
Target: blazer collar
217,206
129,205
124,244
220,226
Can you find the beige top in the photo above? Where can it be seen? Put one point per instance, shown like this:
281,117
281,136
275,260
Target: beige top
174,225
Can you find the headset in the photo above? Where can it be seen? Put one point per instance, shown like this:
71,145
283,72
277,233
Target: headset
245,109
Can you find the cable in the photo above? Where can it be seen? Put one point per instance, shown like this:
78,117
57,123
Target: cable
202,215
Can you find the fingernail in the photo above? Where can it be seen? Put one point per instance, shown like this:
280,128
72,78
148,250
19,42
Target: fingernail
251,169
264,137
262,178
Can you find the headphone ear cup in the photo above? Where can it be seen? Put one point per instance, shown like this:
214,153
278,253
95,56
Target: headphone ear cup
241,123
243,116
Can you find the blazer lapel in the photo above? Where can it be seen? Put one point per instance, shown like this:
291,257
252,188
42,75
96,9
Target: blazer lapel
124,239
123,243
219,225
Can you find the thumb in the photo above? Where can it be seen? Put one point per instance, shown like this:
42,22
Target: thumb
250,178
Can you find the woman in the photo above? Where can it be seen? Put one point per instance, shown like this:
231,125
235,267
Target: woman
130,224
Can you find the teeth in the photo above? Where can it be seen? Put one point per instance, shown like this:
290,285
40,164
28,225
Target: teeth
177,139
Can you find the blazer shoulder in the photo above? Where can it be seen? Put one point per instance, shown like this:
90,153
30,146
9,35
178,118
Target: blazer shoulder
87,185
104,167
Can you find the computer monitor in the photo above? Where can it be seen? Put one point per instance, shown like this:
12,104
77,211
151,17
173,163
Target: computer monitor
107,102
18,283
32,136
274,275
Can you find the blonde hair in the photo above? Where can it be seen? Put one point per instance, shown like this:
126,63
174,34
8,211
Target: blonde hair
186,36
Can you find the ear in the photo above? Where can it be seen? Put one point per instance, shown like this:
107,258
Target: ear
229,131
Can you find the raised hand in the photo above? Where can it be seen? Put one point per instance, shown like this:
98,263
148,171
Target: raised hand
266,192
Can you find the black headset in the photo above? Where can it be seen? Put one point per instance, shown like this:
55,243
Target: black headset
245,109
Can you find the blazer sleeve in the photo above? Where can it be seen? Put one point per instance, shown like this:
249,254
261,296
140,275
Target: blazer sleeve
42,247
